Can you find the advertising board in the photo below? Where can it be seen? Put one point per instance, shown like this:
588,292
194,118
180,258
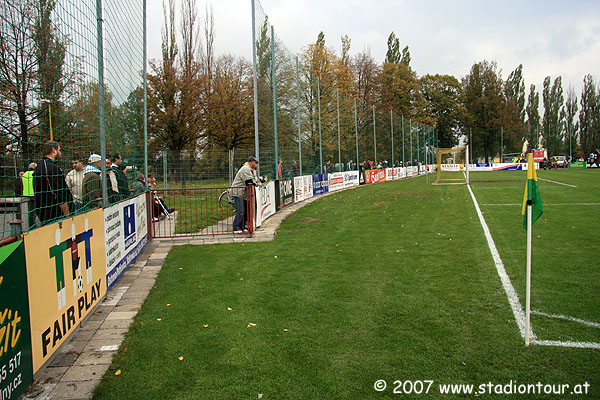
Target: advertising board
320,184
374,175
126,234
66,278
336,181
350,178
16,367
299,189
308,186
265,202
284,193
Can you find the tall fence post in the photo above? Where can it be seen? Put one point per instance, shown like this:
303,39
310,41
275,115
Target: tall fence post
255,81
274,83
298,112
320,143
410,139
392,129
356,131
403,157
337,91
101,122
145,84
165,170
374,135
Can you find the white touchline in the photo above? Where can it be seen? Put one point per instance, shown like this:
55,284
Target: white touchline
545,204
513,299
567,318
558,183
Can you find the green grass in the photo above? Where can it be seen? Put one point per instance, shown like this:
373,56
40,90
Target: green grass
391,281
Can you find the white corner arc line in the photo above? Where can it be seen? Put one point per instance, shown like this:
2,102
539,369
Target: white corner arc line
567,318
558,183
513,299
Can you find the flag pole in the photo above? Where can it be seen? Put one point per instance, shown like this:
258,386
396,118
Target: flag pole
528,290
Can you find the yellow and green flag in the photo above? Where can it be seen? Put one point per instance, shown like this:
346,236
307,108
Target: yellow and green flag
532,193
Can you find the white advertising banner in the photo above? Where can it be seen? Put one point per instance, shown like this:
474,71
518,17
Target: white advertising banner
126,234
265,202
452,167
308,186
391,174
401,172
298,189
350,178
336,181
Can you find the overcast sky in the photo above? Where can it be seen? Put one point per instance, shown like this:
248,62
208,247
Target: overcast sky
548,37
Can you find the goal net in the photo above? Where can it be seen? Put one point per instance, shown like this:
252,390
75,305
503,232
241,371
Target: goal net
452,166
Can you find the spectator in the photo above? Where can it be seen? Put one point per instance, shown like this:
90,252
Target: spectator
280,169
75,183
138,186
19,184
384,164
112,184
92,183
328,168
294,169
27,191
52,196
122,185
350,166
245,177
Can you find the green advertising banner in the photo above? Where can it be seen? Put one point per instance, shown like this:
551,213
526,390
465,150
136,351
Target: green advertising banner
16,366
577,164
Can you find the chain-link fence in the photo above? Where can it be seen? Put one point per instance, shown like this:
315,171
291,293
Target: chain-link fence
311,110
71,87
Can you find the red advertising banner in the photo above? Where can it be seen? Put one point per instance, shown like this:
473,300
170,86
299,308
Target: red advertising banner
375,175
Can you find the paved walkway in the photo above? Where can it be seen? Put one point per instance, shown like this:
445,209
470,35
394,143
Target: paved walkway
78,366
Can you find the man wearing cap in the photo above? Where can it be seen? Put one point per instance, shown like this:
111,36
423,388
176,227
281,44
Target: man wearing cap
122,185
52,196
92,183
246,176
138,186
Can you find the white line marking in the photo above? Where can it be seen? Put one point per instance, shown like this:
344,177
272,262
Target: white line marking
513,299
557,343
558,183
544,204
567,318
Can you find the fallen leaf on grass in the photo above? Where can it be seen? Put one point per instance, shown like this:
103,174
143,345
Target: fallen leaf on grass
118,372
180,358
275,257
205,326
285,330
250,325
168,304
229,309
159,319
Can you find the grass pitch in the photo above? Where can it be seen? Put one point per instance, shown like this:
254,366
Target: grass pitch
392,281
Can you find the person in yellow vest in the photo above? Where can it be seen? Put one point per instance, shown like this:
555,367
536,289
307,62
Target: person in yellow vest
28,192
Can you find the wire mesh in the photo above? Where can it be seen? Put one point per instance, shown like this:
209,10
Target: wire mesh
50,83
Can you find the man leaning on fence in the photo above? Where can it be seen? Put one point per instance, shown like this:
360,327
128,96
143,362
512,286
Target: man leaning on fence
52,196
246,176
92,183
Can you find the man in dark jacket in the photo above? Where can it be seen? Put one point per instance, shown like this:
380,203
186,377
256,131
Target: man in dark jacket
122,184
52,195
92,183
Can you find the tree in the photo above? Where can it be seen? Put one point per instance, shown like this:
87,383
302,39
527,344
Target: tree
553,120
533,116
405,56
393,52
569,113
443,93
484,103
589,116
18,73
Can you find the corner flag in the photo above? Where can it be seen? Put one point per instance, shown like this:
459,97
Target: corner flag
532,193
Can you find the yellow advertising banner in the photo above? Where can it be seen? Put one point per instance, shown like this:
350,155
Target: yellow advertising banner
66,276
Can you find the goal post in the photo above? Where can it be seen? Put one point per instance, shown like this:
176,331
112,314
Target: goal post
443,172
